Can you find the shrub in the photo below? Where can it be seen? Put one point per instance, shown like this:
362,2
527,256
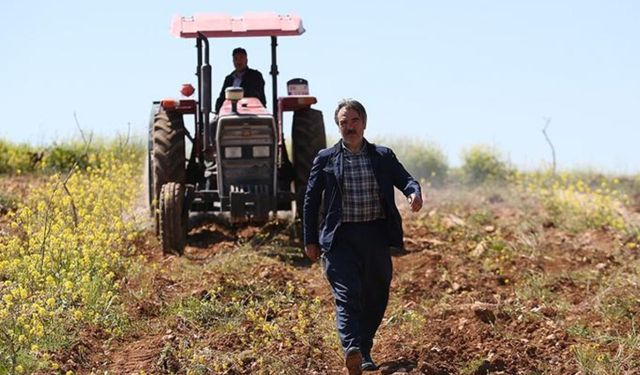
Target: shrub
483,163
422,159
7,203
16,158
60,157
4,156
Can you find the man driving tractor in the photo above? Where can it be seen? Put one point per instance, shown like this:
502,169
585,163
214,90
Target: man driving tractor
249,79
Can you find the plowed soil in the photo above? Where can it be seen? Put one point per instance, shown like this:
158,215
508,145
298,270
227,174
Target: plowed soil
469,271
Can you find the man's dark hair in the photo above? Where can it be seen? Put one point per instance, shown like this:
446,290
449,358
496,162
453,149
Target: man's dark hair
240,51
351,104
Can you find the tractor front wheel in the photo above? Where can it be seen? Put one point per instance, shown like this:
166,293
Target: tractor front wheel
173,217
168,153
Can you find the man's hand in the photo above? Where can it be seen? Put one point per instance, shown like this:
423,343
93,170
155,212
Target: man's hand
312,251
415,200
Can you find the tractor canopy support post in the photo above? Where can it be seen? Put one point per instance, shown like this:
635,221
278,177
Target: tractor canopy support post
274,98
274,76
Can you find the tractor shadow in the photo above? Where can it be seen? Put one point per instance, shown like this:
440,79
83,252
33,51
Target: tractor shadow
281,239
278,238
206,231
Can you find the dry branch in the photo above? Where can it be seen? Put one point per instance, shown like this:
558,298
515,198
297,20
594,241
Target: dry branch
70,172
553,150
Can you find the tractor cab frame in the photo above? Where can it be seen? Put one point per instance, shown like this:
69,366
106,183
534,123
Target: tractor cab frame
238,164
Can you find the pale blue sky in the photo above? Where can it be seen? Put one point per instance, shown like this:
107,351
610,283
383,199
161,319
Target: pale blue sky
456,73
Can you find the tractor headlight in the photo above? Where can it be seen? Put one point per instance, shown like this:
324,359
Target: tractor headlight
233,152
261,151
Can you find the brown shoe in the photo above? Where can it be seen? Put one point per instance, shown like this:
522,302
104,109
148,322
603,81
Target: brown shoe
353,361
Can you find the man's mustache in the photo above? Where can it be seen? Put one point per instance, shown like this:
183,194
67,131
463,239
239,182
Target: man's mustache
350,131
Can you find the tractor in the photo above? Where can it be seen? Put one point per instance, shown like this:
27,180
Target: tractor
238,166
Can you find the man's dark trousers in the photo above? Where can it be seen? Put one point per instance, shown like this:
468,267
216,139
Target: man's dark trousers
359,269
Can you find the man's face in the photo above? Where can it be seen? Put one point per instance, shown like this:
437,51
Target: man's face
351,127
240,62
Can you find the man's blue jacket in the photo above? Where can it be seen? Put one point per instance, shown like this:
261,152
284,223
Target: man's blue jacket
325,180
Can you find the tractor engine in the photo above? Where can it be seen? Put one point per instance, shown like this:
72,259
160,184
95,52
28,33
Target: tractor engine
246,177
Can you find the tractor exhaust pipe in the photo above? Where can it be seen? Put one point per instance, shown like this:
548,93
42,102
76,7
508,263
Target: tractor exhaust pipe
205,74
204,89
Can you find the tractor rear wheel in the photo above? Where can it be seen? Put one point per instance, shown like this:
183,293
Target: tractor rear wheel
168,153
151,194
308,137
173,218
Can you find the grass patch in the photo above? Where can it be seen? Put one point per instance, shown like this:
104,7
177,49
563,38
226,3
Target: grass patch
281,324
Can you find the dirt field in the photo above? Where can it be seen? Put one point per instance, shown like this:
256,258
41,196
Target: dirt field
489,283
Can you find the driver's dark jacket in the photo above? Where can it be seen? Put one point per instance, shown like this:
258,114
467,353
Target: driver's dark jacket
326,176
252,83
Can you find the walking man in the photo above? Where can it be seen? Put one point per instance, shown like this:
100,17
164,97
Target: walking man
360,223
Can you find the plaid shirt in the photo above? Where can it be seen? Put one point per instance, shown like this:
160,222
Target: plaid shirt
360,194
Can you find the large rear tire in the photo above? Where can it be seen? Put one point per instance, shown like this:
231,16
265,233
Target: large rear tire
168,153
151,194
173,218
308,137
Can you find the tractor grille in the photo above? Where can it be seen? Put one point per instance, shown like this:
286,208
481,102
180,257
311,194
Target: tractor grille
246,156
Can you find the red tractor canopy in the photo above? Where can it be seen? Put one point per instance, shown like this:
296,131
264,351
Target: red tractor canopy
215,25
